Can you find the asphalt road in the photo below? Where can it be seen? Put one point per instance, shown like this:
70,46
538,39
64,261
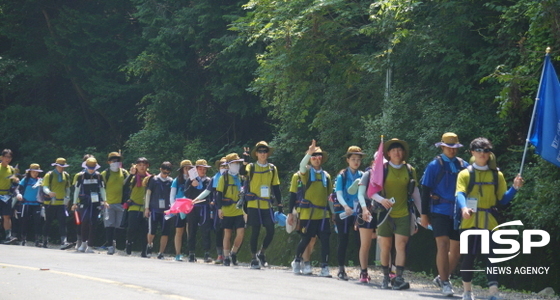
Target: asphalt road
35,273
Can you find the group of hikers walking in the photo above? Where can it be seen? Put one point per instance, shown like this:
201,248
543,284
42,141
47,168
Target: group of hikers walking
453,195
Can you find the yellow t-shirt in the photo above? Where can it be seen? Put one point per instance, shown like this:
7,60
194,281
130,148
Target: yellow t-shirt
485,195
231,193
262,181
395,185
317,194
58,187
137,195
114,187
5,182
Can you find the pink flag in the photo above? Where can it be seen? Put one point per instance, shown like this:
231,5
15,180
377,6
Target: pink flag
376,174
181,205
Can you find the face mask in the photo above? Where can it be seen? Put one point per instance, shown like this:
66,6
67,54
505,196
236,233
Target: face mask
114,166
222,171
234,169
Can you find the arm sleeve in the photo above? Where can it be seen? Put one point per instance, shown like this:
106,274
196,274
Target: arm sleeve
377,197
103,193
293,200
147,198
172,195
425,195
508,196
46,188
339,192
416,198
204,194
362,196
303,164
76,192
340,197
219,196
277,194
461,200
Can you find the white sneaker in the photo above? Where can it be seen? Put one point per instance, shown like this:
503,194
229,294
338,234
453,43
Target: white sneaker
78,244
325,272
89,250
82,247
447,289
437,281
468,295
111,250
296,267
307,268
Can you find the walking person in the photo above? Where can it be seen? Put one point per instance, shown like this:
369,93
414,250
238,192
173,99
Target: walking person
314,209
56,184
8,180
89,195
178,191
480,188
31,207
136,230
114,179
261,183
438,206
158,191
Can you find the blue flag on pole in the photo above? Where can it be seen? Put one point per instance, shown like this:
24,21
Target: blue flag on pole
546,132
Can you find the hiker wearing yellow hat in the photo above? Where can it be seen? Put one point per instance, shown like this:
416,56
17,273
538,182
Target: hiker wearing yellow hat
313,207
480,188
30,210
345,217
135,191
157,201
398,221
56,184
227,196
261,182
178,191
438,203
8,180
199,217
114,178
89,195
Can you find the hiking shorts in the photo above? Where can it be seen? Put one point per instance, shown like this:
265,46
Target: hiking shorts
158,218
233,222
443,226
115,213
179,222
393,226
255,216
6,208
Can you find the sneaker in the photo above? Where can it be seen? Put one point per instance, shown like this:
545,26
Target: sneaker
325,272
262,259
149,249
342,275
398,283
110,250
10,239
178,257
364,277
437,281
207,258
23,242
296,267
227,261
307,268
89,250
255,264
468,295
192,258
37,243
128,248
219,259
78,244
143,254
447,289
66,245
234,259
160,256
83,247
385,282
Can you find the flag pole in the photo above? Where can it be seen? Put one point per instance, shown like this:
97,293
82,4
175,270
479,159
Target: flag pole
537,99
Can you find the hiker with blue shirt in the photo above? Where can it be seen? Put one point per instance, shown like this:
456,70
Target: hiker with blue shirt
31,207
178,191
438,204
349,203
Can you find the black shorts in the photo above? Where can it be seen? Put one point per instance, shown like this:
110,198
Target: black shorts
257,217
443,226
6,208
158,218
233,222
363,223
180,223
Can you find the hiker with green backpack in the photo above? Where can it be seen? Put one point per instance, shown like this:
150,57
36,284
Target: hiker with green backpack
480,188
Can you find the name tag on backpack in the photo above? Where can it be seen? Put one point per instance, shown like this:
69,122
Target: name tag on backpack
265,191
94,197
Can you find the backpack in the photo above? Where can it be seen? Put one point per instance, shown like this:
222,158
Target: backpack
45,197
85,198
441,172
247,182
302,189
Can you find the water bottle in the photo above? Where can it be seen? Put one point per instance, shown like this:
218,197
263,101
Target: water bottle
344,215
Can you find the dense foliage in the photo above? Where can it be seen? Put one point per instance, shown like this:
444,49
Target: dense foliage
175,79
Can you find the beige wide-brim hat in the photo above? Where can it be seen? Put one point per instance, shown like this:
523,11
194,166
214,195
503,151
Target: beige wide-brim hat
185,163
390,142
353,150
261,144
324,153
449,139
61,162
202,163
34,167
221,162
233,157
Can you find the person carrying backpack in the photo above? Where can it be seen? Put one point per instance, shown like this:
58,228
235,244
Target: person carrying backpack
158,190
261,183
178,191
31,207
56,184
480,188
346,219
8,178
399,187
314,208
136,223
227,197
199,217
438,202
89,195
114,178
